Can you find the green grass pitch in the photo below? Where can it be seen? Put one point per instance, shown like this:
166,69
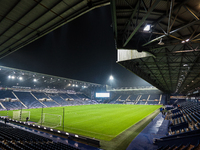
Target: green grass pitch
101,121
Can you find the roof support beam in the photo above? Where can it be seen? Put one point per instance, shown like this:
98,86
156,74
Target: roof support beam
145,7
170,14
135,69
165,15
114,17
130,24
189,71
150,70
161,73
195,85
185,26
191,12
129,37
169,70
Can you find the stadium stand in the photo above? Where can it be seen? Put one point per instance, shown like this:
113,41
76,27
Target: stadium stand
1,108
14,138
146,99
45,99
13,105
143,99
153,99
9,101
82,96
68,99
112,100
74,96
28,100
6,94
58,99
163,99
184,129
133,97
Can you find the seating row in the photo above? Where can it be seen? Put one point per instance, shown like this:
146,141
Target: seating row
14,138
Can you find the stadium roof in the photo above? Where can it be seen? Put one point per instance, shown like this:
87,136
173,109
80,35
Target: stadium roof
24,21
167,32
17,78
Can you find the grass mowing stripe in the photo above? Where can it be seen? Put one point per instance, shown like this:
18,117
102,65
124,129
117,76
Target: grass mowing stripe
97,120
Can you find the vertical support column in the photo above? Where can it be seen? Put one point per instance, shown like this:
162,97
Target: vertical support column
63,118
42,116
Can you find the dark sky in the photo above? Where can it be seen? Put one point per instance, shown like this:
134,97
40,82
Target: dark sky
83,49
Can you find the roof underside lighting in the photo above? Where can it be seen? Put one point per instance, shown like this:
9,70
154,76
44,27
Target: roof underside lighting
147,28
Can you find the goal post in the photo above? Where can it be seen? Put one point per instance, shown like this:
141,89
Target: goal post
50,120
17,115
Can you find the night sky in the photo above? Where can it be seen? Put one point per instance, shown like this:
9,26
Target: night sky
83,49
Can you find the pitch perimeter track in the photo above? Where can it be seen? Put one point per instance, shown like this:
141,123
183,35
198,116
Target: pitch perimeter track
122,141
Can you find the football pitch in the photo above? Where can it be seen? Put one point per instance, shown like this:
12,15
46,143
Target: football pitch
101,121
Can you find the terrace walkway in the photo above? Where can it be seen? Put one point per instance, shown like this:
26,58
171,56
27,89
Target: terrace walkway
155,129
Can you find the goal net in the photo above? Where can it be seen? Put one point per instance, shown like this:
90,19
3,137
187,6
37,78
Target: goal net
23,114
50,120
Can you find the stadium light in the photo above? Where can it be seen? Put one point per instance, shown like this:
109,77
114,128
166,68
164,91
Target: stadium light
20,78
111,77
147,27
35,80
9,77
13,77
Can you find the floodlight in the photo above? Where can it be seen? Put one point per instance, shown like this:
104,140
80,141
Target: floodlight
147,27
20,78
76,85
69,84
187,40
13,77
35,80
111,77
9,76
73,85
